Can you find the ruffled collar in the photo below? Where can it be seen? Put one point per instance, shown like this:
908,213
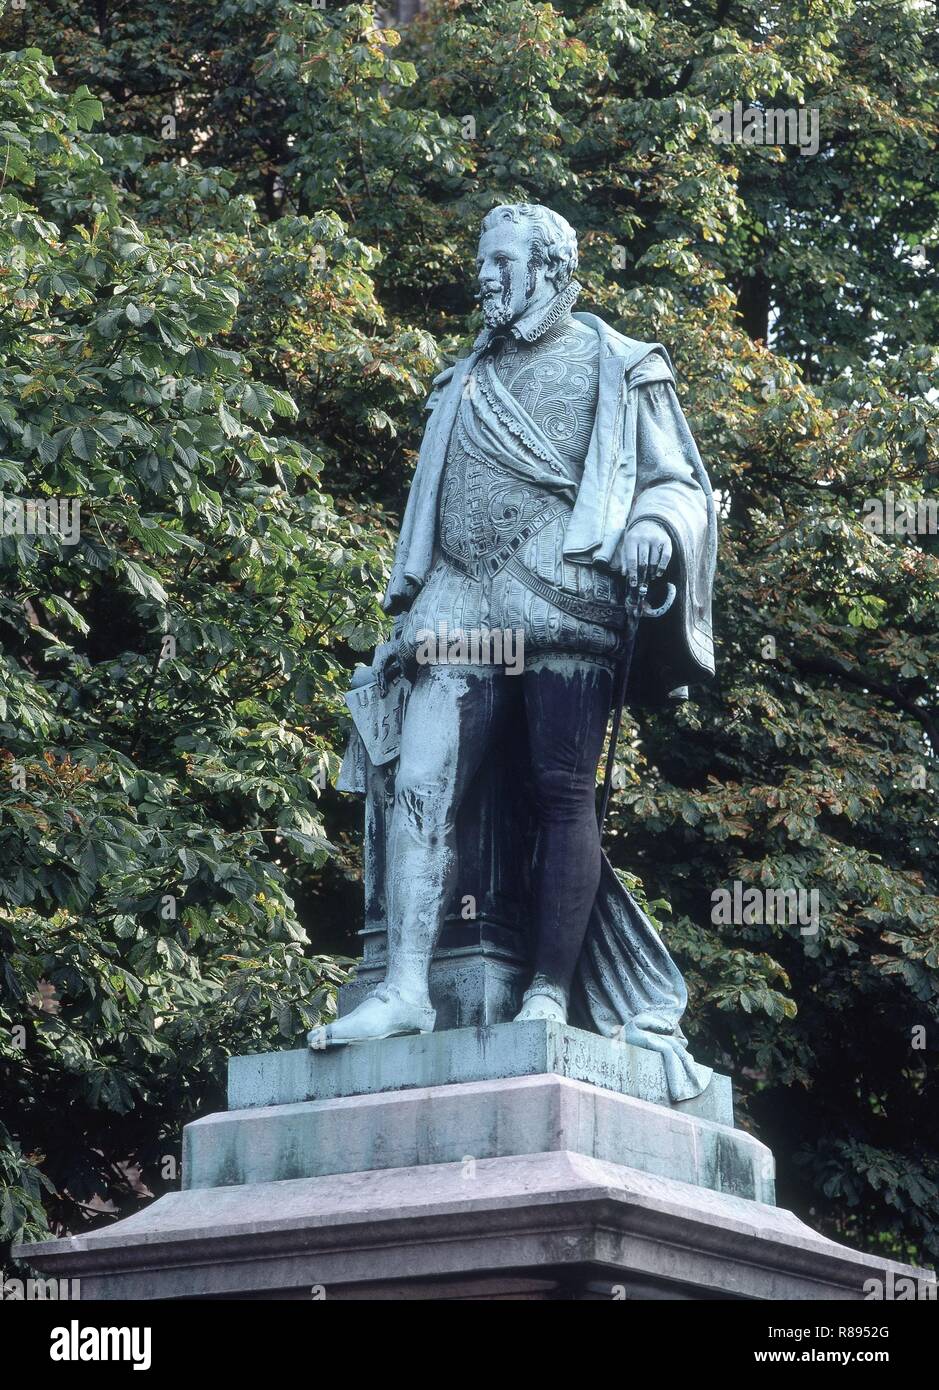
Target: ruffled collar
536,322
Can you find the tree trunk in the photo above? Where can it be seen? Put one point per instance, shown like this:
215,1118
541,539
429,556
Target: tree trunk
753,304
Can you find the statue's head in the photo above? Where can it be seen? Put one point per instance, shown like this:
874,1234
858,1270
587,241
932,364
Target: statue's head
527,254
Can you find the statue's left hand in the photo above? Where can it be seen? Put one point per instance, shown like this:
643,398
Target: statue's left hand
647,550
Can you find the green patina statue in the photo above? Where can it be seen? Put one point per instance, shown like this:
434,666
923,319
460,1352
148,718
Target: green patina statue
557,483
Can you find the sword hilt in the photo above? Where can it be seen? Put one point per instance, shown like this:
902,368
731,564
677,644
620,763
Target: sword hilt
645,611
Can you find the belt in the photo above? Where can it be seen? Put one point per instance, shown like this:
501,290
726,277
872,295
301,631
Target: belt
612,615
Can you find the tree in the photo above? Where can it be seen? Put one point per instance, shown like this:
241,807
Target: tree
168,700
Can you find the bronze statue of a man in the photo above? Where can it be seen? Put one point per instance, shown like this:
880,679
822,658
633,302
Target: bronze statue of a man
557,477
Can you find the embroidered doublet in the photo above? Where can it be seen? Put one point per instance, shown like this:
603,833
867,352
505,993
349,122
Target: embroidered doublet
514,462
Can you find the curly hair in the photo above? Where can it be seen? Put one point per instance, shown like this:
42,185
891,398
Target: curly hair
553,240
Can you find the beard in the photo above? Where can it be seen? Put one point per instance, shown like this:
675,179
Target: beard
497,304
497,307
495,311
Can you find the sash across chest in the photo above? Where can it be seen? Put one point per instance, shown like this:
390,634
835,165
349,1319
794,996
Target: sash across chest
490,565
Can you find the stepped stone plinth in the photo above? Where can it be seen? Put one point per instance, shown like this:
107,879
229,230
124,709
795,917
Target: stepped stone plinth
528,1161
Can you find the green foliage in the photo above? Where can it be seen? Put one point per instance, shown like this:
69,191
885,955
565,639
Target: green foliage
168,686
797,297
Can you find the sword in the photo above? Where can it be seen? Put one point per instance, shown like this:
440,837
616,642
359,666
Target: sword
636,610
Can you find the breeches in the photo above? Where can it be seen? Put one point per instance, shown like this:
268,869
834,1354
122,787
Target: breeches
455,718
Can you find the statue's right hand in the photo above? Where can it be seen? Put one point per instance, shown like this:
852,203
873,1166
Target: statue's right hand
386,663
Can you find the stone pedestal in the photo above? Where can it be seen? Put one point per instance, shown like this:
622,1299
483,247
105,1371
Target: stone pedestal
527,1161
